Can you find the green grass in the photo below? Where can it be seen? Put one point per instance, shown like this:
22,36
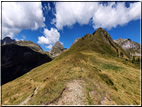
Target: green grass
104,74
112,67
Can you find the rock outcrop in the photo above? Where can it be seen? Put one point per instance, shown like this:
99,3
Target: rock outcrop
57,49
133,48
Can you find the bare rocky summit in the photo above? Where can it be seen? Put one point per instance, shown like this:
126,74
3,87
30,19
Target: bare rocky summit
57,49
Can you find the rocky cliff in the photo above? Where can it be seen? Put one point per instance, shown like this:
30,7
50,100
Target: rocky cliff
133,48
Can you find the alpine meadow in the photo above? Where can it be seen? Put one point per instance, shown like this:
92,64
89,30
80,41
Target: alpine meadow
89,53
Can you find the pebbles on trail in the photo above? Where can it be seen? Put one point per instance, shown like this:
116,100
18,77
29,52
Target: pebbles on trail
73,95
29,97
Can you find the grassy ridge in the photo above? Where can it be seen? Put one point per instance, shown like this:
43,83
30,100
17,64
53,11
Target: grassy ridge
95,62
121,80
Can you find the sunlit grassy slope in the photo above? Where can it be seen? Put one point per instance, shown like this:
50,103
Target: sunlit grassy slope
91,59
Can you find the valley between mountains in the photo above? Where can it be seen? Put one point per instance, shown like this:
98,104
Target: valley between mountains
95,70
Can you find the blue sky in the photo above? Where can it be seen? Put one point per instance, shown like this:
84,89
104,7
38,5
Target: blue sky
47,22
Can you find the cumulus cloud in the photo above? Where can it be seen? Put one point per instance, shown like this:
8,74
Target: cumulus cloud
17,16
49,47
50,36
100,15
68,13
19,39
113,14
11,35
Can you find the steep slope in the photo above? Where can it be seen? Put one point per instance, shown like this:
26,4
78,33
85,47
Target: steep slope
133,48
17,60
30,44
75,41
89,73
100,41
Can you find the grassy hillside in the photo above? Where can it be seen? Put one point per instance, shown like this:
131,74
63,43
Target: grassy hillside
91,67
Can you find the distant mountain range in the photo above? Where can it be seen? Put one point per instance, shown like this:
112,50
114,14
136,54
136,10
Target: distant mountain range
30,44
95,70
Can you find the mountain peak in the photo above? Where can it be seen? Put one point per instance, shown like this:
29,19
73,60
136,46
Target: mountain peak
102,34
7,40
57,49
100,29
58,44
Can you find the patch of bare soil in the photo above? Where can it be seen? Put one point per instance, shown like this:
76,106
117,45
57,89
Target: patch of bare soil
29,97
107,101
74,94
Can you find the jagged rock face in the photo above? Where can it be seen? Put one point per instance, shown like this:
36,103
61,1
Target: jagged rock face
132,47
18,60
120,40
7,40
130,44
57,49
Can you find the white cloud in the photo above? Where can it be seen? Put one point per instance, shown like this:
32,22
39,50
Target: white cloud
62,43
11,35
68,13
17,16
106,16
19,39
24,37
50,37
49,47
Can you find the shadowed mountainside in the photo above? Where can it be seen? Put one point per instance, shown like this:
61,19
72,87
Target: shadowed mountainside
18,60
30,44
